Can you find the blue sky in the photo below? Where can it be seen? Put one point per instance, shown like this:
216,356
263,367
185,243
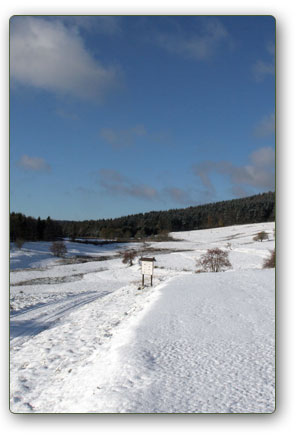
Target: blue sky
116,115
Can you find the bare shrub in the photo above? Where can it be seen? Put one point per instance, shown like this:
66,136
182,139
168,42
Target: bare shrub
19,243
129,256
262,235
215,260
271,261
58,249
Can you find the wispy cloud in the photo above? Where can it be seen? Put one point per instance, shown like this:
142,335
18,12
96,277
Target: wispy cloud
49,55
258,174
107,24
86,193
200,45
261,69
266,127
65,114
114,182
270,47
131,136
178,195
240,192
34,164
264,68
122,138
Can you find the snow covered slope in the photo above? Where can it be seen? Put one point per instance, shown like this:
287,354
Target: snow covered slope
207,345
86,338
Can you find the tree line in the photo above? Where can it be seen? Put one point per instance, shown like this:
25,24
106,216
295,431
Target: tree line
252,209
29,228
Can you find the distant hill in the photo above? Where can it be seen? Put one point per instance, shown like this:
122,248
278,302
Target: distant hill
252,209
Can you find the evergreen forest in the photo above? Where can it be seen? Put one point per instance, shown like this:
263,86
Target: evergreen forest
252,209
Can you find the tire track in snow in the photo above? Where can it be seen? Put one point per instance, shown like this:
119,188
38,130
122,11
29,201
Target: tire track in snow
24,326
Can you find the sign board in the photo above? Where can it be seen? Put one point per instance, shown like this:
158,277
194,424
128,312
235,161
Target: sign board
147,267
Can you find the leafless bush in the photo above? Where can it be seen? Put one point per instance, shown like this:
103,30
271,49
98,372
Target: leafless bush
215,260
262,235
271,261
129,256
58,249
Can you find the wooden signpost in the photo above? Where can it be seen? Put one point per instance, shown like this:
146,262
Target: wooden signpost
147,267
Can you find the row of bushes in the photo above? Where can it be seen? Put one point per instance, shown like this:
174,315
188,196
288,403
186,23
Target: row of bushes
214,260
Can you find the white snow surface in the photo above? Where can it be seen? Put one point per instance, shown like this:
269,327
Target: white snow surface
86,338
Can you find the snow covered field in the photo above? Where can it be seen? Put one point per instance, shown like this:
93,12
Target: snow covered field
86,338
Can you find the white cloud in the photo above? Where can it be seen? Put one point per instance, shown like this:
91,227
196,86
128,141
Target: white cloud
106,25
262,69
181,196
266,127
122,138
35,164
65,114
114,182
263,158
50,56
258,174
201,45
271,48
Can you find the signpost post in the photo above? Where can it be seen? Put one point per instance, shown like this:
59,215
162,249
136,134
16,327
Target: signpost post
147,268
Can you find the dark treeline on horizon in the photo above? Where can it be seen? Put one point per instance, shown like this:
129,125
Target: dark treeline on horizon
252,209
28,228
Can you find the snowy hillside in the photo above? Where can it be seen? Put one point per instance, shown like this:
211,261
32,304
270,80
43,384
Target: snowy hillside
86,338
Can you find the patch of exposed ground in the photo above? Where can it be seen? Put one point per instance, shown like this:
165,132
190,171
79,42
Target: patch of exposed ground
86,258
51,280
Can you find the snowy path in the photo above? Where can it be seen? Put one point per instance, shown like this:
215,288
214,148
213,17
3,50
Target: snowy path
32,321
207,345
